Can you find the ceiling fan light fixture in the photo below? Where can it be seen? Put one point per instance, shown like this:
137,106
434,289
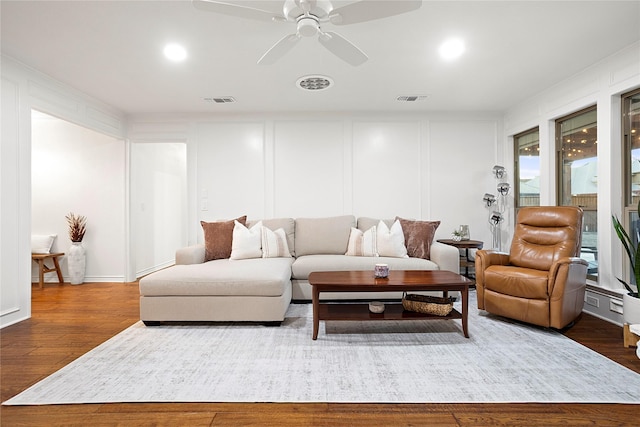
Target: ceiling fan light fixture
308,26
314,83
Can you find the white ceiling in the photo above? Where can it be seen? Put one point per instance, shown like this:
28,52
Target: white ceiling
112,50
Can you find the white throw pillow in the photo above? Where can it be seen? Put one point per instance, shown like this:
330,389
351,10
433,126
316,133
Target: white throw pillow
362,243
247,242
41,243
390,241
274,243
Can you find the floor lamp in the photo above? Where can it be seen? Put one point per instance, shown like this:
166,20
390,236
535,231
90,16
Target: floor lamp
497,213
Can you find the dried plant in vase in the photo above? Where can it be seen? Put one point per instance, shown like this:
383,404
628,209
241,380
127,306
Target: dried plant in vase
77,227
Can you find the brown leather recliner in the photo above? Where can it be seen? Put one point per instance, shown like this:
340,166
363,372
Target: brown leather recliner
542,280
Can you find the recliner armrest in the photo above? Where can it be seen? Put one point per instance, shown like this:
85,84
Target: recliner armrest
489,257
566,273
484,259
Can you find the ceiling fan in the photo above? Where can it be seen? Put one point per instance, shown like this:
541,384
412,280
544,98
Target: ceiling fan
307,15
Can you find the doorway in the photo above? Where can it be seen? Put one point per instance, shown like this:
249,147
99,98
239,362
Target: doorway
158,203
81,171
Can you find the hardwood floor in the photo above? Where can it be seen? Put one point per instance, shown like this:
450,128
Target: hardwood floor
70,320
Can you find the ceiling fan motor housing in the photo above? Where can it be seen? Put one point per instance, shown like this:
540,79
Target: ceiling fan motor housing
294,9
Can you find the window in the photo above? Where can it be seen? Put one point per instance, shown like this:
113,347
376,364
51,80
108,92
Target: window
631,168
577,176
631,147
527,168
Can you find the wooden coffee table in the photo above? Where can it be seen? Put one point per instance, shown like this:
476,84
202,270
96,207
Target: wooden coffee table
398,281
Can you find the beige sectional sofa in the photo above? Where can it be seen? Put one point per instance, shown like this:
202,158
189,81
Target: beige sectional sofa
260,289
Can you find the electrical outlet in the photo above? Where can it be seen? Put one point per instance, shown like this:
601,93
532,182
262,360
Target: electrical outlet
592,301
615,306
205,205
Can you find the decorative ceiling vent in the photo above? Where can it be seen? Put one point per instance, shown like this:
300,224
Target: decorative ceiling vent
314,83
411,98
220,100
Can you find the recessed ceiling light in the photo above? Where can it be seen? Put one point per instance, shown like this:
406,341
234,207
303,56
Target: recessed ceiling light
314,83
451,49
175,52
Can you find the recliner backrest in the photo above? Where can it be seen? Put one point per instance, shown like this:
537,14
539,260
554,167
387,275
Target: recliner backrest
545,234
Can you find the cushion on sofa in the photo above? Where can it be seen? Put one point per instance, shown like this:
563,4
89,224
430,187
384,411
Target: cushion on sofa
390,241
218,237
418,236
247,242
362,243
274,243
287,224
308,263
328,235
253,277
365,222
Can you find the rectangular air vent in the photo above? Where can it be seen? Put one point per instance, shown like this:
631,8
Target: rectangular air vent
411,98
219,99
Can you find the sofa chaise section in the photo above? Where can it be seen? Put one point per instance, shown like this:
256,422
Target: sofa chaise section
219,290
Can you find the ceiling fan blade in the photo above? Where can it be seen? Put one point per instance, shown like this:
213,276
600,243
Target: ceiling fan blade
278,50
342,48
363,11
235,10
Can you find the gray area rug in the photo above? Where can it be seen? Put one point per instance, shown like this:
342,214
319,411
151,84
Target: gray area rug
388,361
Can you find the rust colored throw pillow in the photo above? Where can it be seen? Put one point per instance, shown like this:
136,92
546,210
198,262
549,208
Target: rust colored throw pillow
218,237
418,236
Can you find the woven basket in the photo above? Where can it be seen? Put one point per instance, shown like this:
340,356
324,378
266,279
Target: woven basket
427,304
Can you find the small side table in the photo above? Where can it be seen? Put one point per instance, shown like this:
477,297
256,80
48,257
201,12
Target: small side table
43,268
630,339
464,260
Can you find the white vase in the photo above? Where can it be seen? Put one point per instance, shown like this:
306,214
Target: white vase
631,309
76,261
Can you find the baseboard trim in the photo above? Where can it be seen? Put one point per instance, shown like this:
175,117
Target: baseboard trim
87,279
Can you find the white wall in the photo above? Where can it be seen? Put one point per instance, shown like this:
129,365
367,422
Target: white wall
75,169
158,203
421,166
601,85
15,218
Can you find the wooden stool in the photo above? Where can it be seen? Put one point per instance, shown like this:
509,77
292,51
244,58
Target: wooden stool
630,339
42,267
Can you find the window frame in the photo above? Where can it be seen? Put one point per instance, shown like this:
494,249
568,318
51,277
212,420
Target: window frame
559,168
558,148
516,164
627,180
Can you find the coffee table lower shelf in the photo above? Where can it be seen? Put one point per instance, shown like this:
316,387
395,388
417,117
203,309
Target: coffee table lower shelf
361,311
